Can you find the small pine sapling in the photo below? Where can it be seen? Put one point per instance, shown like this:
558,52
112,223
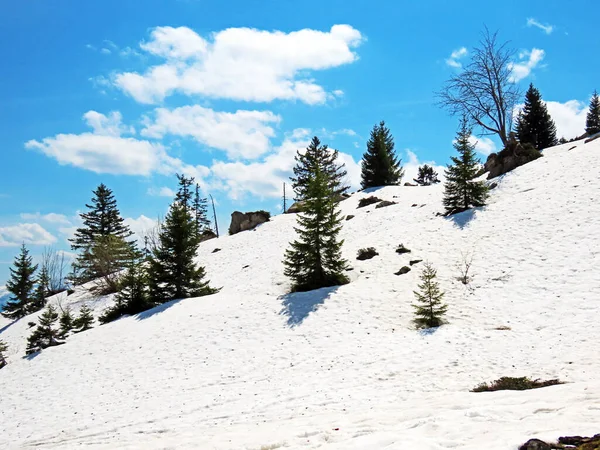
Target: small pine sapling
429,309
66,323
45,335
85,320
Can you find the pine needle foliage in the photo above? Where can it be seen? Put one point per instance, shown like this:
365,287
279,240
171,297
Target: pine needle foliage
42,290
461,191
534,124
66,323
84,321
426,175
3,349
320,156
20,285
314,260
380,166
429,308
592,123
46,334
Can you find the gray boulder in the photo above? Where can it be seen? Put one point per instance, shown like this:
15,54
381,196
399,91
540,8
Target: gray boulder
246,221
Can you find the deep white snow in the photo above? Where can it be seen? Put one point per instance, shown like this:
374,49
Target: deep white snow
343,368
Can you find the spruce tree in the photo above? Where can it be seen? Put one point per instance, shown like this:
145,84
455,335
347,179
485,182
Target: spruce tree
314,260
42,289
66,323
101,223
326,159
534,124
200,206
461,191
380,165
20,285
3,348
592,123
84,321
45,335
133,296
429,309
173,273
426,176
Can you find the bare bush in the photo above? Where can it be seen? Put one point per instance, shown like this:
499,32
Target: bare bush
464,267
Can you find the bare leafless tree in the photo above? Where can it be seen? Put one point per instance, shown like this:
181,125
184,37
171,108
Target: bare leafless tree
464,267
485,92
56,267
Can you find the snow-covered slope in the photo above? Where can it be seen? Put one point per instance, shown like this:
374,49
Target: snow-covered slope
342,368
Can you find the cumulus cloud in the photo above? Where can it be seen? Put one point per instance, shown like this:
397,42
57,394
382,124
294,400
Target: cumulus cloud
241,64
105,150
50,217
455,56
161,192
243,134
264,178
483,145
528,60
140,226
28,233
569,117
546,28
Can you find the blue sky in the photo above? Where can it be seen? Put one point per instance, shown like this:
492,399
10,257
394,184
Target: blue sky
130,92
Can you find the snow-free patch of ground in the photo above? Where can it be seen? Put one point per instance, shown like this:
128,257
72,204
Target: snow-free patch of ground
342,368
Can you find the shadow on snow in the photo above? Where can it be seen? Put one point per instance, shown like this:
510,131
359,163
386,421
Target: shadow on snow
462,219
298,305
156,310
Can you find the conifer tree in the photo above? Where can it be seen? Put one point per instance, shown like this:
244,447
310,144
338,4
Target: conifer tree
429,309
326,159
102,224
534,124
172,272
84,321
42,289
592,123
426,175
314,260
200,206
66,323
461,191
20,285
133,296
45,335
380,165
3,348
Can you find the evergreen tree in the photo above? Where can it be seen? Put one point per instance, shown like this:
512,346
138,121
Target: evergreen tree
172,272
102,223
380,166
3,348
20,286
461,192
84,321
429,310
426,176
41,291
45,335
133,297
534,124
321,156
592,123
66,323
314,260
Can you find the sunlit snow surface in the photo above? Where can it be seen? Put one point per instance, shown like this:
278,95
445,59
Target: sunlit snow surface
342,368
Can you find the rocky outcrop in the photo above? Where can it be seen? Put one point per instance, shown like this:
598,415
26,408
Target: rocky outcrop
368,201
385,203
403,270
299,205
207,235
246,221
572,442
513,156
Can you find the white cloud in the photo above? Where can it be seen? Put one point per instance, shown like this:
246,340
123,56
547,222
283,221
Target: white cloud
241,64
106,151
50,217
243,134
546,28
569,117
455,56
105,51
528,61
483,145
28,233
161,192
140,226
411,167
264,179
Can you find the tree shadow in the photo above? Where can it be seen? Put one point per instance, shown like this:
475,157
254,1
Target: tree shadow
297,306
156,310
428,331
462,219
6,327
